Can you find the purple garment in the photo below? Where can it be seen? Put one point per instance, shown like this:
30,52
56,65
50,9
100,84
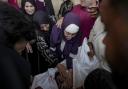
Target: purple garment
24,1
71,46
86,20
40,5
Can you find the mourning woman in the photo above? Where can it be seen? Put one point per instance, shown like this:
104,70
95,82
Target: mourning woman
45,56
64,43
28,7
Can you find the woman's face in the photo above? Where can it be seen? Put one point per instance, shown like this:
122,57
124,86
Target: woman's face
44,27
20,46
29,8
68,35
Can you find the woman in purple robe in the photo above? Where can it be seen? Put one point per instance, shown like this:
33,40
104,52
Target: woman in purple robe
66,45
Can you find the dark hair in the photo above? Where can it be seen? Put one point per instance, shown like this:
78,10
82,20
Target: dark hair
41,17
14,26
23,4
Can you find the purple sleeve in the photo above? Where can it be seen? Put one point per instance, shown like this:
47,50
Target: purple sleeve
55,36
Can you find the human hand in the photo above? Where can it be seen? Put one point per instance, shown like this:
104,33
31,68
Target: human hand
93,11
91,53
59,22
29,48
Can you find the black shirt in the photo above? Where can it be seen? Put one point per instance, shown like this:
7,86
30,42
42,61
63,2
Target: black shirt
14,70
99,79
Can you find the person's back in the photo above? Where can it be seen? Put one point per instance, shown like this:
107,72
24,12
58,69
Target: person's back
15,31
15,71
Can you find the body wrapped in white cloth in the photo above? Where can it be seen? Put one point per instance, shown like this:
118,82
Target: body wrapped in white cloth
82,66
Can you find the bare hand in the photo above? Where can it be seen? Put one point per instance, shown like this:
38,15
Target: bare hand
93,11
59,22
91,53
29,48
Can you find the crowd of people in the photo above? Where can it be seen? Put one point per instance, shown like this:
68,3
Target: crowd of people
63,44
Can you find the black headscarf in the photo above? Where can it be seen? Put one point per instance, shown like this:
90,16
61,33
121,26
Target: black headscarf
24,1
41,17
23,5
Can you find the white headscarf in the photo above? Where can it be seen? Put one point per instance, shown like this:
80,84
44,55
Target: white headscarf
72,28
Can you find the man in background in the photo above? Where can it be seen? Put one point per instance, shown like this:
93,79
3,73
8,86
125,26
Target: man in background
114,15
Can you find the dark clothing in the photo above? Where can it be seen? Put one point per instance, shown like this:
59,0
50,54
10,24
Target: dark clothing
120,79
14,28
50,11
41,17
49,7
45,35
33,58
100,79
40,59
14,70
23,4
45,6
40,5
43,43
